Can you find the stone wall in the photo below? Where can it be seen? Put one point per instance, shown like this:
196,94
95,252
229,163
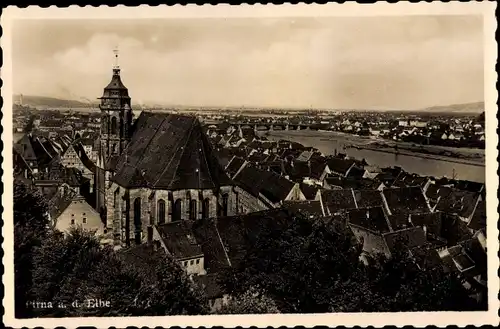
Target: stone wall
247,203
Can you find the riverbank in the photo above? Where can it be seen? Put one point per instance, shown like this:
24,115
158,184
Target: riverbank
419,155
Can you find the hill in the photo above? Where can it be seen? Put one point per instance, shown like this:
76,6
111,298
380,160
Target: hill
476,107
41,101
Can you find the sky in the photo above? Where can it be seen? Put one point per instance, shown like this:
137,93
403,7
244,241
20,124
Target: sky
401,62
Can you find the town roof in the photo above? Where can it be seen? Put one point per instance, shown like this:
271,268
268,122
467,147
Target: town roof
430,220
309,191
169,152
409,237
399,221
454,201
234,165
478,220
336,200
406,200
254,180
339,166
59,203
372,218
308,208
368,198
179,239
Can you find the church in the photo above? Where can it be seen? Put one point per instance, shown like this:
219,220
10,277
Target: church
157,169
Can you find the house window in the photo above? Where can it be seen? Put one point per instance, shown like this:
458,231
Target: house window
197,261
83,214
191,262
72,221
185,263
84,220
161,211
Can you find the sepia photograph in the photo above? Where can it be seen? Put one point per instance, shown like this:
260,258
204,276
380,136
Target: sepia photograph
209,162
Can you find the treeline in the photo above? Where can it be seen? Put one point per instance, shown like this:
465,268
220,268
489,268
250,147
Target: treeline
59,275
309,266
300,266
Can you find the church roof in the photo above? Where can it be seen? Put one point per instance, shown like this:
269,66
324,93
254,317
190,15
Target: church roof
169,151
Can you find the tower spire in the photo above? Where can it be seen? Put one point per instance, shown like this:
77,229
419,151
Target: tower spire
116,66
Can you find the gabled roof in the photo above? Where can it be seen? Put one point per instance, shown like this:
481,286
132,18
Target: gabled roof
256,181
308,208
409,238
368,198
179,239
337,200
406,200
309,191
478,220
59,203
430,220
170,152
234,165
454,201
372,218
339,166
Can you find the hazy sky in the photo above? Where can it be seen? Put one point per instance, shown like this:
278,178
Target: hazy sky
365,62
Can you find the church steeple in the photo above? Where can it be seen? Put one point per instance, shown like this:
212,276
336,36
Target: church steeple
116,115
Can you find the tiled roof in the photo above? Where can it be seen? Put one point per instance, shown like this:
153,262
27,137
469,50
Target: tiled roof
59,203
406,200
478,220
410,238
368,198
337,200
234,165
169,151
454,201
308,208
309,191
179,239
274,187
372,219
399,221
431,220
339,166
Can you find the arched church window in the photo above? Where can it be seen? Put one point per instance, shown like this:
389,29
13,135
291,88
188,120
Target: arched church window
205,208
137,220
161,211
192,209
225,203
177,211
113,125
105,124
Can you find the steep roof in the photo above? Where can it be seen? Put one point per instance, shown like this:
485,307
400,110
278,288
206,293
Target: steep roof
368,198
372,219
336,200
257,181
409,237
310,208
457,201
179,239
169,151
234,165
406,200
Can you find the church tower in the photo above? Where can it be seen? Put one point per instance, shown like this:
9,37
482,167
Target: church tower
116,116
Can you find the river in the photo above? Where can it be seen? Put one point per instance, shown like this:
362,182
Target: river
328,142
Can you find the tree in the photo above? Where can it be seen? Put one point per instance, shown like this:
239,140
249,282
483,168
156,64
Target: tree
30,227
250,302
74,267
305,266
401,286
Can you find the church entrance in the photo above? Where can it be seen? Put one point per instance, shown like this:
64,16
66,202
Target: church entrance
177,211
